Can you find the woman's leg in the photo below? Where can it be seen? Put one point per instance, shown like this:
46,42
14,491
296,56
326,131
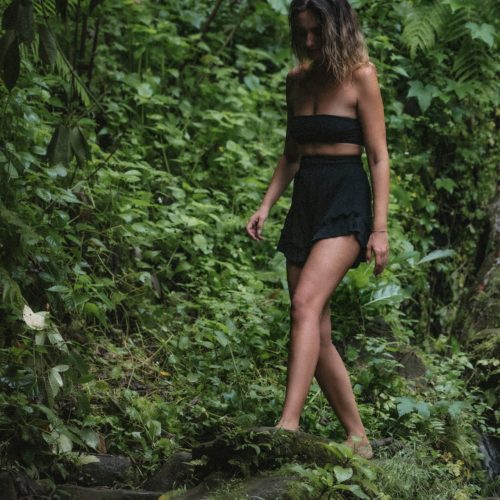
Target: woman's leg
311,334
333,378
331,373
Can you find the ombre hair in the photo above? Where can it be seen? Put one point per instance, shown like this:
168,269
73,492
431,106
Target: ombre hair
342,43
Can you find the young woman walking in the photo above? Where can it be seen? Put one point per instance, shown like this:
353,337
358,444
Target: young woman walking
334,108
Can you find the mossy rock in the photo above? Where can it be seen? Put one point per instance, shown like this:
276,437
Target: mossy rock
176,471
104,470
262,448
262,487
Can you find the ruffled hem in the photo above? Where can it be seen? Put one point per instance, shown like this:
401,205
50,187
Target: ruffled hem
330,227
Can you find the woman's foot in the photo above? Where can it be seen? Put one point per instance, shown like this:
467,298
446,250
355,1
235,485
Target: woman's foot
283,428
287,426
360,445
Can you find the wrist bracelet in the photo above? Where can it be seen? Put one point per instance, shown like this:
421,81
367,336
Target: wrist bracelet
379,231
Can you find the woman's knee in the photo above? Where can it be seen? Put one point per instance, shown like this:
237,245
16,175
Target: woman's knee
304,308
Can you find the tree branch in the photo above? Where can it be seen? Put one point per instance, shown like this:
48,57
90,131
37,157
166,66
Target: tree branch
210,18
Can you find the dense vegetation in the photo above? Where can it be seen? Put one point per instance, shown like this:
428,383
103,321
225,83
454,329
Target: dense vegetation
136,139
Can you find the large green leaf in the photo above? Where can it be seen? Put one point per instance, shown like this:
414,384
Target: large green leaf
6,41
423,93
423,409
342,474
11,61
25,26
48,45
18,16
59,149
79,145
391,293
354,489
406,405
55,381
484,32
437,254
10,15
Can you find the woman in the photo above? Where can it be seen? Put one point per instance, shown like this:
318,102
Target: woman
334,107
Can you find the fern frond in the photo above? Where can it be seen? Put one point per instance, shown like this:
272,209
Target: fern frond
43,9
472,62
48,7
422,25
67,71
490,9
487,13
455,27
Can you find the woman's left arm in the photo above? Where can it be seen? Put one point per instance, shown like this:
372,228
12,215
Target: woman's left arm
371,115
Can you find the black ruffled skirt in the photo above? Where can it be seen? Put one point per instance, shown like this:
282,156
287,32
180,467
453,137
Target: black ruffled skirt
331,197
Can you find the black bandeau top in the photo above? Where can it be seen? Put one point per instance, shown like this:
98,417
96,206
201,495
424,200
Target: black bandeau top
306,129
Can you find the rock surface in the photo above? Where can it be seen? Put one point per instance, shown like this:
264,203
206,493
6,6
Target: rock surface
105,470
75,492
263,448
413,367
234,466
173,473
258,488
16,485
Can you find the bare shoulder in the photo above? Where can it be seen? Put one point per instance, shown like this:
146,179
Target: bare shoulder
297,73
364,74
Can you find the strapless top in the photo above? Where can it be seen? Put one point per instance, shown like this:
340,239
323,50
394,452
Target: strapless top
306,129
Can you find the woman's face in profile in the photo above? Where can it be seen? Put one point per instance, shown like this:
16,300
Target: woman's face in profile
309,33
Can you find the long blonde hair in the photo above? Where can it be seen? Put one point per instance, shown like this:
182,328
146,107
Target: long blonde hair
342,43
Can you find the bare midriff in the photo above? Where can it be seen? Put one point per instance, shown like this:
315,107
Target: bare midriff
338,149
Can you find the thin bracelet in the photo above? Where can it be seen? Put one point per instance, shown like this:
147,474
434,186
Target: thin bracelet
379,231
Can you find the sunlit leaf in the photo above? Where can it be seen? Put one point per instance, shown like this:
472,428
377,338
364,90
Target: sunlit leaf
405,406
354,489
387,294
221,338
145,90
87,459
90,438
280,6
437,254
423,409
484,32
65,445
57,171
35,321
342,474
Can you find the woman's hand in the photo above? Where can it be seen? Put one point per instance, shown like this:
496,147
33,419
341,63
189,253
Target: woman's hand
256,223
378,243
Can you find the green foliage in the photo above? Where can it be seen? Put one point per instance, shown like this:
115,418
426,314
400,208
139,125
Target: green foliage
451,23
333,481
413,473
132,153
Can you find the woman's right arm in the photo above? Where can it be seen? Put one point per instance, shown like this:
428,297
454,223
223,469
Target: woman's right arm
285,171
